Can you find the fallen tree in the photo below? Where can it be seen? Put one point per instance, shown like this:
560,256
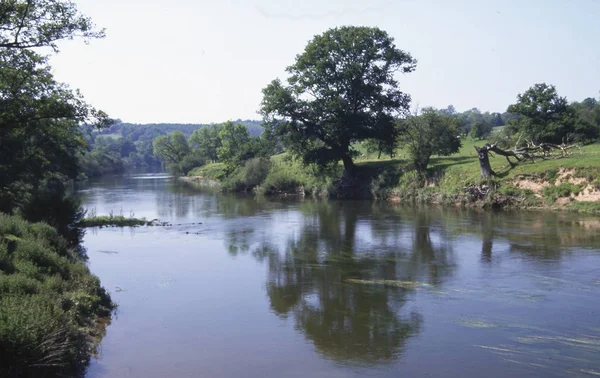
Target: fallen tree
531,152
484,160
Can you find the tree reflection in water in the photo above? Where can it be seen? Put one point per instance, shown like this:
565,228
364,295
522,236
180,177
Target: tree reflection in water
353,323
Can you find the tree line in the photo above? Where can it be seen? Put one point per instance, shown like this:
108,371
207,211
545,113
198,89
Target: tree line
123,146
230,143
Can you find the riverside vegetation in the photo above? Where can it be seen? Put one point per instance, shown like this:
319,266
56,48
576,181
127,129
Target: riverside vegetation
351,135
52,309
567,183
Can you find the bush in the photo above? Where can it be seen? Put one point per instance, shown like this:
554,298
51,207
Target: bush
280,181
233,183
189,162
256,171
565,189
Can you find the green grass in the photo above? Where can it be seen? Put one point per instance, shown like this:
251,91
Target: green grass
564,189
584,207
49,303
213,171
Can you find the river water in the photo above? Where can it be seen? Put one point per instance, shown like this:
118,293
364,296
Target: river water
247,287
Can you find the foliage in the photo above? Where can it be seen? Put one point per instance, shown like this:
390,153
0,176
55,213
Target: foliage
481,129
288,175
379,147
471,118
588,113
341,90
41,140
40,23
39,132
255,171
591,207
115,155
206,141
189,162
48,301
236,145
280,181
544,116
564,189
427,134
48,298
171,148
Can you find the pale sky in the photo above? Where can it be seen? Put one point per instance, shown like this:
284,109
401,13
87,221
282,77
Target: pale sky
207,61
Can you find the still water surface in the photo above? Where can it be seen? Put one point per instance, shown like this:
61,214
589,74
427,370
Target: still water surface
246,287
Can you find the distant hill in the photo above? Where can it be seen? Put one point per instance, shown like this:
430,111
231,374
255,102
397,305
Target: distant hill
149,131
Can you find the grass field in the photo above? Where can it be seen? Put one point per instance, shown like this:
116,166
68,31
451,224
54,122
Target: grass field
464,165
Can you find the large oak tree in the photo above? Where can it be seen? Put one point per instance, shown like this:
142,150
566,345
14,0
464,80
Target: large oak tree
342,89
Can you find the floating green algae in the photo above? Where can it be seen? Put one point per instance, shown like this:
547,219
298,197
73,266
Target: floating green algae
394,283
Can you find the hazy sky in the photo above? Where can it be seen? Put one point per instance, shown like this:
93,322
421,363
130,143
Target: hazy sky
207,61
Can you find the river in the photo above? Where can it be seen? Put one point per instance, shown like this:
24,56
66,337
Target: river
251,287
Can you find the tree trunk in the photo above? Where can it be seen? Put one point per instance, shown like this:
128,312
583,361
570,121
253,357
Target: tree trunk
484,162
348,166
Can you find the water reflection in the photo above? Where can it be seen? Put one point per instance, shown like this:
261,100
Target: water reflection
326,276
343,274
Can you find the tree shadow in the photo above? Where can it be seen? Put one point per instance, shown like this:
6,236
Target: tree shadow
453,160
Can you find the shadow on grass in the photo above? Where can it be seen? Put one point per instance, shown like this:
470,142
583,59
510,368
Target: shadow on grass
449,161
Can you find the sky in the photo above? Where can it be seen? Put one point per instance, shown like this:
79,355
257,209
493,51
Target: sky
204,61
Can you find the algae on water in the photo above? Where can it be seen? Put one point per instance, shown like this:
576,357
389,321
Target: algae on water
411,285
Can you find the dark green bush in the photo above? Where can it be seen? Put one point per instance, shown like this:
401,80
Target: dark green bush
255,171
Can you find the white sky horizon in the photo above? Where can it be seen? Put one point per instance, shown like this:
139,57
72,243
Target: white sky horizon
185,61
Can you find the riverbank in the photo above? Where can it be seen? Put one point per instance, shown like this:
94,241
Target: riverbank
53,311
567,183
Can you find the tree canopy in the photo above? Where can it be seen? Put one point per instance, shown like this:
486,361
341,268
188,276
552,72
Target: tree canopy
341,89
41,23
40,134
206,141
544,116
171,148
236,144
430,133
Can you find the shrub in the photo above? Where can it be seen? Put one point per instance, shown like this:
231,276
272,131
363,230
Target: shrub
279,181
188,163
256,171
565,189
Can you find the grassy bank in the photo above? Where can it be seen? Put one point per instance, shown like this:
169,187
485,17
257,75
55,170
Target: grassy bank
50,303
567,183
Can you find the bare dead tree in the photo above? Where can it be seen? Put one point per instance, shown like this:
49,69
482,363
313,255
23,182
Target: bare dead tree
530,151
